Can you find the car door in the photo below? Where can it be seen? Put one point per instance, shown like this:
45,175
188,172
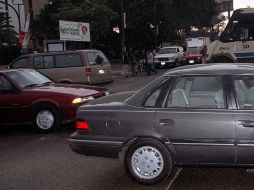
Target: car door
196,119
9,102
244,118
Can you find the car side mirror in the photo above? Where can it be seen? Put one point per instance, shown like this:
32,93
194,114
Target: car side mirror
98,60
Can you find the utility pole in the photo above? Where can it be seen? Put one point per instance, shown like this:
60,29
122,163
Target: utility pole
123,29
30,6
155,23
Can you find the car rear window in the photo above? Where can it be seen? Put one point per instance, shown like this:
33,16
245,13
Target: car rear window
92,56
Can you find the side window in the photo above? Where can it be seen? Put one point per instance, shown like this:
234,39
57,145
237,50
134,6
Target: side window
152,99
48,61
68,60
244,88
5,85
21,63
238,30
38,62
197,92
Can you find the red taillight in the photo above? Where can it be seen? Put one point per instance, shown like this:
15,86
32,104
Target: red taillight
88,71
83,125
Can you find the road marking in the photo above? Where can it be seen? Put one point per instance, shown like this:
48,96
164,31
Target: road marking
174,178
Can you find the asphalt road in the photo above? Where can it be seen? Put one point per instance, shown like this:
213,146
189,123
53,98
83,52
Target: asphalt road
34,161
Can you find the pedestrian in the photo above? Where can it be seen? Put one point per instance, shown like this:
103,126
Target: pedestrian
203,52
150,63
125,64
132,63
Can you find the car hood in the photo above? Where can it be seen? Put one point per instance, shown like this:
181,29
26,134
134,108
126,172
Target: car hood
165,55
116,98
71,89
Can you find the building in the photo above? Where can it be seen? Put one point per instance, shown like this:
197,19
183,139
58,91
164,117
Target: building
18,11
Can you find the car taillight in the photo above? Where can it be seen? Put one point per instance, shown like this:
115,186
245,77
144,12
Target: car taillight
83,125
88,71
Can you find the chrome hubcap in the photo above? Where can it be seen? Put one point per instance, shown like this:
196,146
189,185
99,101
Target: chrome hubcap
45,119
147,162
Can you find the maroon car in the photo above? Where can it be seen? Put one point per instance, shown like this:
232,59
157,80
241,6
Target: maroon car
27,97
192,56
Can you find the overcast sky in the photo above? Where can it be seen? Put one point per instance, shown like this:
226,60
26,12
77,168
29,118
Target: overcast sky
243,3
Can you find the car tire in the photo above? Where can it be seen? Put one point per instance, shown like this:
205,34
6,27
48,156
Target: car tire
46,118
152,157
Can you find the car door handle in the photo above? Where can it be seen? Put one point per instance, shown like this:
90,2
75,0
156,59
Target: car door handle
246,123
167,122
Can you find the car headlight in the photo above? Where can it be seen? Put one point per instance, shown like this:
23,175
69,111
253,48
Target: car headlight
82,100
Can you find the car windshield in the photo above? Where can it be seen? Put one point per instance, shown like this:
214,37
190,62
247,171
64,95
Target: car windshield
28,78
167,50
193,50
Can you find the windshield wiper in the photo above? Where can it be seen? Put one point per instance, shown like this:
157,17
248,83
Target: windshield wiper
30,85
47,83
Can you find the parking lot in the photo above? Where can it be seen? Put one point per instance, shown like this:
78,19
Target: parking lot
29,160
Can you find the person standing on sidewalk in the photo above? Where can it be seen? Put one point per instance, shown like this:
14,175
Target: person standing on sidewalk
150,63
125,64
203,51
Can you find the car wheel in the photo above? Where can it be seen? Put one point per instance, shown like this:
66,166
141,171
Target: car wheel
148,161
46,118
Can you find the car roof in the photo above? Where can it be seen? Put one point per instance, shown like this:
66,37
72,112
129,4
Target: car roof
88,50
213,69
170,47
59,52
10,70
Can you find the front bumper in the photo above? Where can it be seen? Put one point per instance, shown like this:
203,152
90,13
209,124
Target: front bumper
164,63
84,144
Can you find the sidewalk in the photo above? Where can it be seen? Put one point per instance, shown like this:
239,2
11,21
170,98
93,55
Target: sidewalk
117,67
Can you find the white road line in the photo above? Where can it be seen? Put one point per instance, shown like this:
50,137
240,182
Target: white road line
174,178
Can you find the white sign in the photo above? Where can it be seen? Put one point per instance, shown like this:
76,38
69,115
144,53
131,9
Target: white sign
74,31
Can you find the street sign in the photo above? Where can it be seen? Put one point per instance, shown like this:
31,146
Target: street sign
74,31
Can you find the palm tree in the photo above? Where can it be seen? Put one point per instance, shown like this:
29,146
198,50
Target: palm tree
7,34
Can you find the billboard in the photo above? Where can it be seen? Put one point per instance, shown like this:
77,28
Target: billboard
74,31
225,5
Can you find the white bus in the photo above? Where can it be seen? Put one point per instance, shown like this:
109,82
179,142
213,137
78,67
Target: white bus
236,42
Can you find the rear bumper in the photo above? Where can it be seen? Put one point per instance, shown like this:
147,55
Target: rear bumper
192,61
98,148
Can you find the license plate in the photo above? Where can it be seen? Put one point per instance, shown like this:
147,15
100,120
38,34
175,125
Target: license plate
101,71
163,63
191,61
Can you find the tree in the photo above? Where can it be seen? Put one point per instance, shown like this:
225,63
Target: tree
194,14
94,12
7,33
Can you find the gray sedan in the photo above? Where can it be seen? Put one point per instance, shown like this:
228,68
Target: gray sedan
191,116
